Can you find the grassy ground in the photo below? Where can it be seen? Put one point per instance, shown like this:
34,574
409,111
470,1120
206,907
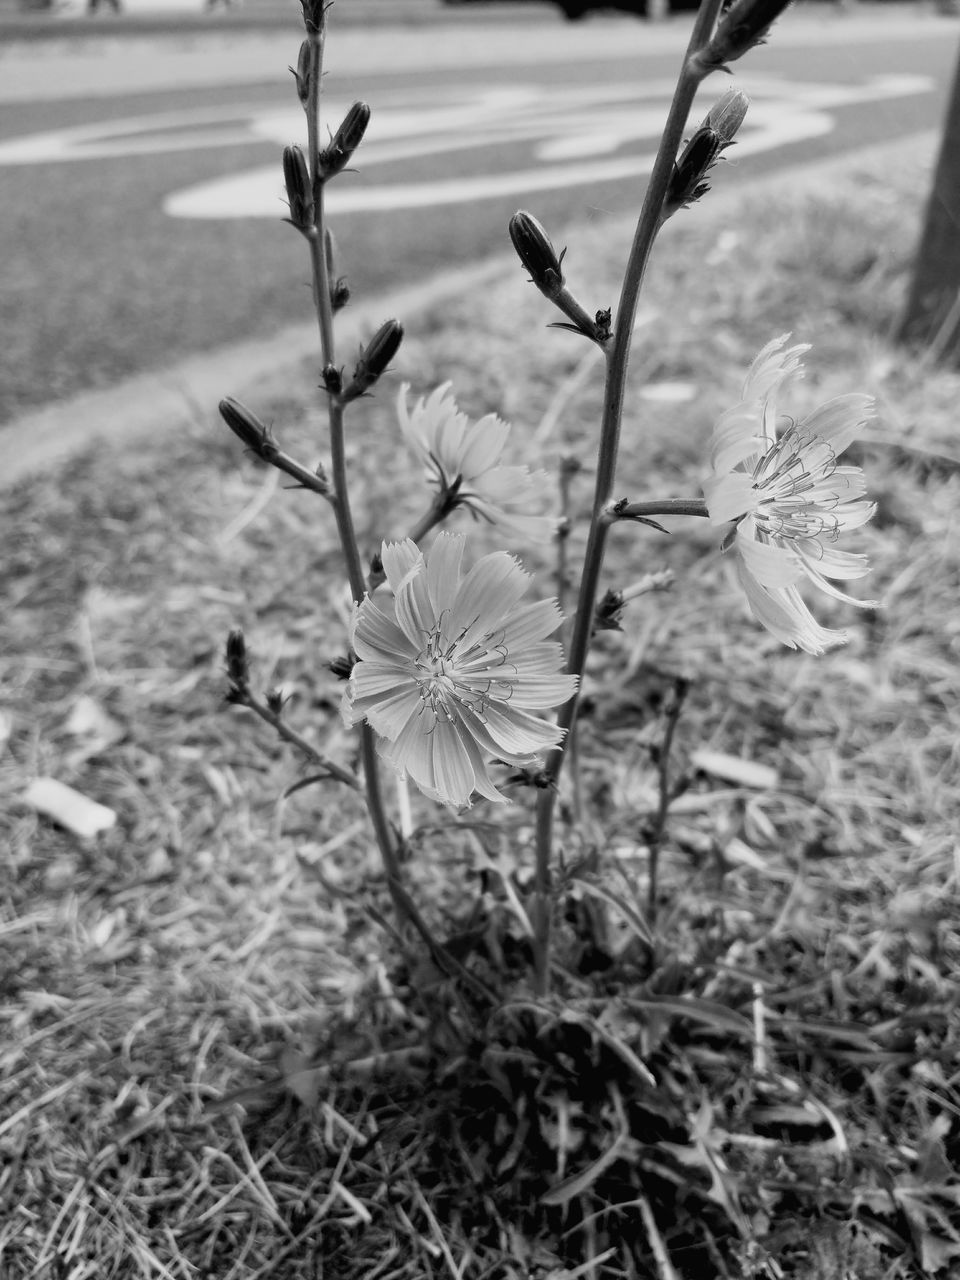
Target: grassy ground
221,936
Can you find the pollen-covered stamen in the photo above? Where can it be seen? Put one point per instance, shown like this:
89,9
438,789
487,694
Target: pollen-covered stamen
451,672
792,500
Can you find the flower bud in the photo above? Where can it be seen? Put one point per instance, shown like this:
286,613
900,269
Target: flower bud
341,667
332,379
727,115
345,141
299,190
238,665
609,612
339,294
302,73
743,26
535,250
314,15
374,359
604,322
714,135
245,424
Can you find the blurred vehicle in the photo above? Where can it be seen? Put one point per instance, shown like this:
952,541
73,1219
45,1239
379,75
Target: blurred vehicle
574,9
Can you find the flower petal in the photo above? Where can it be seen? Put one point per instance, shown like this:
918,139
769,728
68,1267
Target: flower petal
769,563
415,612
391,715
443,571
783,613
454,778
410,752
730,496
488,595
376,637
737,437
831,563
398,559
531,623
772,367
839,421
819,581
517,733
482,444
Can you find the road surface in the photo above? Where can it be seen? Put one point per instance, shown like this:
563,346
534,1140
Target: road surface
141,189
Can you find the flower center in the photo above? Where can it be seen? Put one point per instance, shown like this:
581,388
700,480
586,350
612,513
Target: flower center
792,482
449,672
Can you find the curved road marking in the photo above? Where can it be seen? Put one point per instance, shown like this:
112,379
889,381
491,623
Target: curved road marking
571,136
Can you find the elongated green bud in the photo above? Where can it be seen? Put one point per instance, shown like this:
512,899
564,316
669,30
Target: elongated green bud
374,359
535,250
336,157
299,190
727,115
314,15
713,136
744,25
245,424
302,72
238,663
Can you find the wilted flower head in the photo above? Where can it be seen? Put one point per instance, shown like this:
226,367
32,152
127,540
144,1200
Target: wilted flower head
789,499
452,666
462,458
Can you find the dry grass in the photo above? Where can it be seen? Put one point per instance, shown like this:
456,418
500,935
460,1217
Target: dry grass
221,935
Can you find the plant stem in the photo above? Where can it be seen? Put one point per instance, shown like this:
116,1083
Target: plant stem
340,498
318,257
663,507
402,903
321,281
254,704
341,503
617,358
440,508
680,689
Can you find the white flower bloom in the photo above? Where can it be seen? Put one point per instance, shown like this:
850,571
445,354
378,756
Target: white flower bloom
452,666
463,458
789,498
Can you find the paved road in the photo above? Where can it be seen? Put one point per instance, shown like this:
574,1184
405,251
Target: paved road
141,222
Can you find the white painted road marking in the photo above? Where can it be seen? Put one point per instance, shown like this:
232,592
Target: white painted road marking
568,136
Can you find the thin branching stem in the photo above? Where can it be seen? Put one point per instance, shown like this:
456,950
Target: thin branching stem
289,734
440,508
341,502
655,843
340,497
617,358
321,281
660,507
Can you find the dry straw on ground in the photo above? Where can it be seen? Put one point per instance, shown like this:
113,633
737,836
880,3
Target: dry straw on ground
220,933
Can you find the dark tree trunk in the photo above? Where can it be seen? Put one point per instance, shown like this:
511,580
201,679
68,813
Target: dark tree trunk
931,318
